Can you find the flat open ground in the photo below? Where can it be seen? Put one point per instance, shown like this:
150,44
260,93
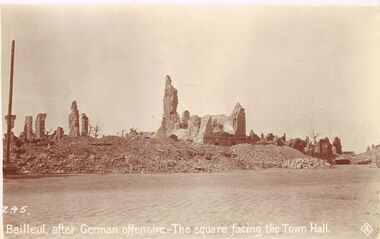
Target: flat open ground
344,198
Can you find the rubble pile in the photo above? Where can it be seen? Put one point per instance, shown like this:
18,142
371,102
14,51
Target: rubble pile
141,154
270,156
299,163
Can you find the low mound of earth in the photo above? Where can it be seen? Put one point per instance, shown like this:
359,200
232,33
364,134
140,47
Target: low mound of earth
137,154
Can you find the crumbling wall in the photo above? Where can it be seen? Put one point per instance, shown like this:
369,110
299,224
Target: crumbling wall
323,149
170,118
253,138
84,125
337,146
58,133
28,128
185,119
74,120
40,126
211,129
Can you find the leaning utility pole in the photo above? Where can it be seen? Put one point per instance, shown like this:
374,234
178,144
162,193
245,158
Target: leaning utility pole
9,118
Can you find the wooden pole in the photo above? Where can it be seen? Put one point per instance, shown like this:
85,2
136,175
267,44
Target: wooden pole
9,120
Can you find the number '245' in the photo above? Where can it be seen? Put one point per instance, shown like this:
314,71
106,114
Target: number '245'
14,209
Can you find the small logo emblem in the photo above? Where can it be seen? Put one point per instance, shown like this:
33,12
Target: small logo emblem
366,229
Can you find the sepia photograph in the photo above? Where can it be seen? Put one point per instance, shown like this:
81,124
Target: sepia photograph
191,119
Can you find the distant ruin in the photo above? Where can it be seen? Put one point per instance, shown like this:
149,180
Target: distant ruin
170,119
40,126
28,129
84,125
220,129
58,133
74,120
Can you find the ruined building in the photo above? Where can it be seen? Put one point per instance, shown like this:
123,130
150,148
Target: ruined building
84,125
337,146
323,149
28,128
253,138
212,129
40,126
74,120
170,119
58,133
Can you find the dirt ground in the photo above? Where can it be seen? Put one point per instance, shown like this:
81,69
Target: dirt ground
344,198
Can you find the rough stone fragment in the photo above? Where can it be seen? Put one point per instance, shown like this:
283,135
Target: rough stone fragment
185,119
58,133
253,138
84,125
74,120
40,126
238,118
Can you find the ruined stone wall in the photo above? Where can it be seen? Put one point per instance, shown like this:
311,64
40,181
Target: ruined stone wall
170,119
323,149
185,119
58,133
28,128
40,126
213,129
84,125
74,120
337,146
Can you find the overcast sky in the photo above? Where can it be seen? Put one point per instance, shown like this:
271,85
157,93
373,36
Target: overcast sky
294,69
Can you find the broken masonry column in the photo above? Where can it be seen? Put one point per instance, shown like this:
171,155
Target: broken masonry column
84,125
238,117
28,128
170,119
58,133
337,146
185,119
74,120
40,126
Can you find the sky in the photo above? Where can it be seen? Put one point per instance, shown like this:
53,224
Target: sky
293,68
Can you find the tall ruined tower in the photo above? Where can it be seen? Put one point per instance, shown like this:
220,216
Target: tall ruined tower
170,118
74,120
84,125
40,126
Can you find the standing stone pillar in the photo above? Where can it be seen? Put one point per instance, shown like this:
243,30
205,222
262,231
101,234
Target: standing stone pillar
74,120
28,128
84,125
185,119
170,119
40,126
58,133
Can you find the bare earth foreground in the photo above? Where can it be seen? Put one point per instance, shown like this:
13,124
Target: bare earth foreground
344,198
